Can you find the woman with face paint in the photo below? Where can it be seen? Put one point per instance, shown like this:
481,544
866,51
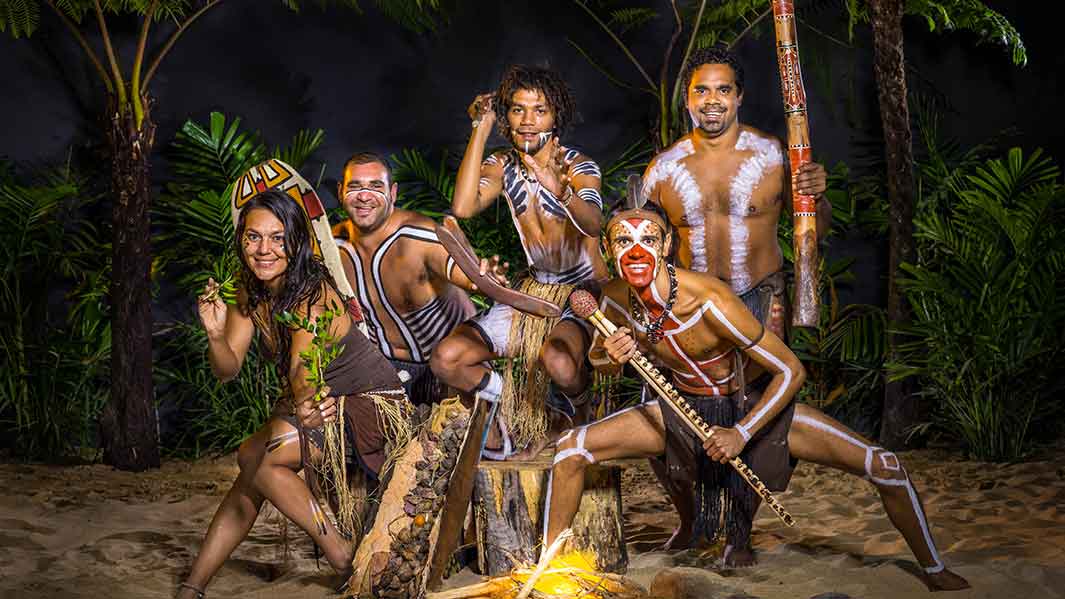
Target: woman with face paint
703,335
279,273
553,195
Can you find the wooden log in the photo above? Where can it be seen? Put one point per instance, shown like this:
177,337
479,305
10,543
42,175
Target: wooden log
509,502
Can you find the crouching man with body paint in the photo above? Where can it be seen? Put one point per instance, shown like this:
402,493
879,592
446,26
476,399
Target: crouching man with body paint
697,328
553,195
407,285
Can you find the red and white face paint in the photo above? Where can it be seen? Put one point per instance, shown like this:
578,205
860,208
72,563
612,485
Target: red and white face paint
637,245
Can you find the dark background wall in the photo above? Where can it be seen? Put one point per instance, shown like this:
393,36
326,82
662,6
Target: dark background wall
371,84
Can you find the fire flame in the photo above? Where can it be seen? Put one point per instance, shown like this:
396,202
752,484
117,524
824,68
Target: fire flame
571,574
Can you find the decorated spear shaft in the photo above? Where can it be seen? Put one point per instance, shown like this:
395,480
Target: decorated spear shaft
806,308
584,305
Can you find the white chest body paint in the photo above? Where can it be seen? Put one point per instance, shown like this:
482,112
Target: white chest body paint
669,169
765,157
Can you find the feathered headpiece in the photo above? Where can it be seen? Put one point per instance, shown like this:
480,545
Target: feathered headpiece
634,206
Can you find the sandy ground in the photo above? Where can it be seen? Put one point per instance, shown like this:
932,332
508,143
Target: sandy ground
92,532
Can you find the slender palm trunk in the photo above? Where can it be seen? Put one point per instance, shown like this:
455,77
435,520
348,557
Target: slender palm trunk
900,405
130,429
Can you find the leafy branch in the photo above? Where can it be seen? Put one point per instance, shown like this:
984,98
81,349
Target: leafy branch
323,350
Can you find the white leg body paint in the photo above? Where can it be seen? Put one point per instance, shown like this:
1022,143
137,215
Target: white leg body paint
491,393
767,155
668,168
579,451
889,461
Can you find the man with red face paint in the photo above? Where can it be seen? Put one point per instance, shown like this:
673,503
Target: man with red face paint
407,285
697,327
553,195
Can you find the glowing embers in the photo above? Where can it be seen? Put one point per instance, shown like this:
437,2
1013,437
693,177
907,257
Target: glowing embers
569,575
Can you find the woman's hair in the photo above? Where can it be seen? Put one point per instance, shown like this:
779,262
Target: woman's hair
304,276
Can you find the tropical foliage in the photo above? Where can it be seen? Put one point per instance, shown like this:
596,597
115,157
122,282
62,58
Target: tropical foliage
988,293
55,335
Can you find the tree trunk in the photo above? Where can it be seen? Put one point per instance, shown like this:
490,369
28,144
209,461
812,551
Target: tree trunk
900,404
129,424
509,504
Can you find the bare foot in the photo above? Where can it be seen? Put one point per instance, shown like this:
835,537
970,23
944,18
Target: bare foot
738,557
533,450
680,540
944,581
188,591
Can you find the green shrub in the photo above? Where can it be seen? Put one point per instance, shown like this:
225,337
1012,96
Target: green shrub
988,298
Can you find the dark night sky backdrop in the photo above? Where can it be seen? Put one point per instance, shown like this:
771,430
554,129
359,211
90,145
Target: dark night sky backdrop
370,84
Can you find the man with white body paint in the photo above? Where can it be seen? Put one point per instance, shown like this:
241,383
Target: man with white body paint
693,324
553,196
723,186
407,285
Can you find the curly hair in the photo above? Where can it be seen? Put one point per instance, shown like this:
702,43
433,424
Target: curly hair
547,81
305,276
716,55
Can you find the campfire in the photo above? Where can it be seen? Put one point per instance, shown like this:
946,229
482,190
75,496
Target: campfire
565,576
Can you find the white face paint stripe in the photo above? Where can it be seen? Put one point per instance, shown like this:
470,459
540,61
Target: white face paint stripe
766,156
667,167
484,181
775,361
353,193
911,492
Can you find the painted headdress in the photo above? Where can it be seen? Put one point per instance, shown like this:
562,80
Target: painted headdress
275,174
634,207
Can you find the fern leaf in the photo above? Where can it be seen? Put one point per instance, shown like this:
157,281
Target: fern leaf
20,16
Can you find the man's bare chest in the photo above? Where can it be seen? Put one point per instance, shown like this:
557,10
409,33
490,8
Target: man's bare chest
395,275
729,190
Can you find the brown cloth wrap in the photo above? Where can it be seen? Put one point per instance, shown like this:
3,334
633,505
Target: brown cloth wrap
357,373
718,487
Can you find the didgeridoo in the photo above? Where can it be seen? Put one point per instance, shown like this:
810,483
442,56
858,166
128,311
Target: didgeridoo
807,303
584,305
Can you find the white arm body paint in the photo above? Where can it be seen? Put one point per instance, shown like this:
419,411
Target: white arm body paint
778,396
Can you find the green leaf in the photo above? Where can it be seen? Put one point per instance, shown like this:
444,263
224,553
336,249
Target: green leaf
20,16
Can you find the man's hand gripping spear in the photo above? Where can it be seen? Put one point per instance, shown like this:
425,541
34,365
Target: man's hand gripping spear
584,305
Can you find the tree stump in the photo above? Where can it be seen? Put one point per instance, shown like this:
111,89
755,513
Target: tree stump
509,503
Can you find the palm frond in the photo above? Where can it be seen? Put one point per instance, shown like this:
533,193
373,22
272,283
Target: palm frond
211,158
423,186
627,19
973,16
20,16
303,144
